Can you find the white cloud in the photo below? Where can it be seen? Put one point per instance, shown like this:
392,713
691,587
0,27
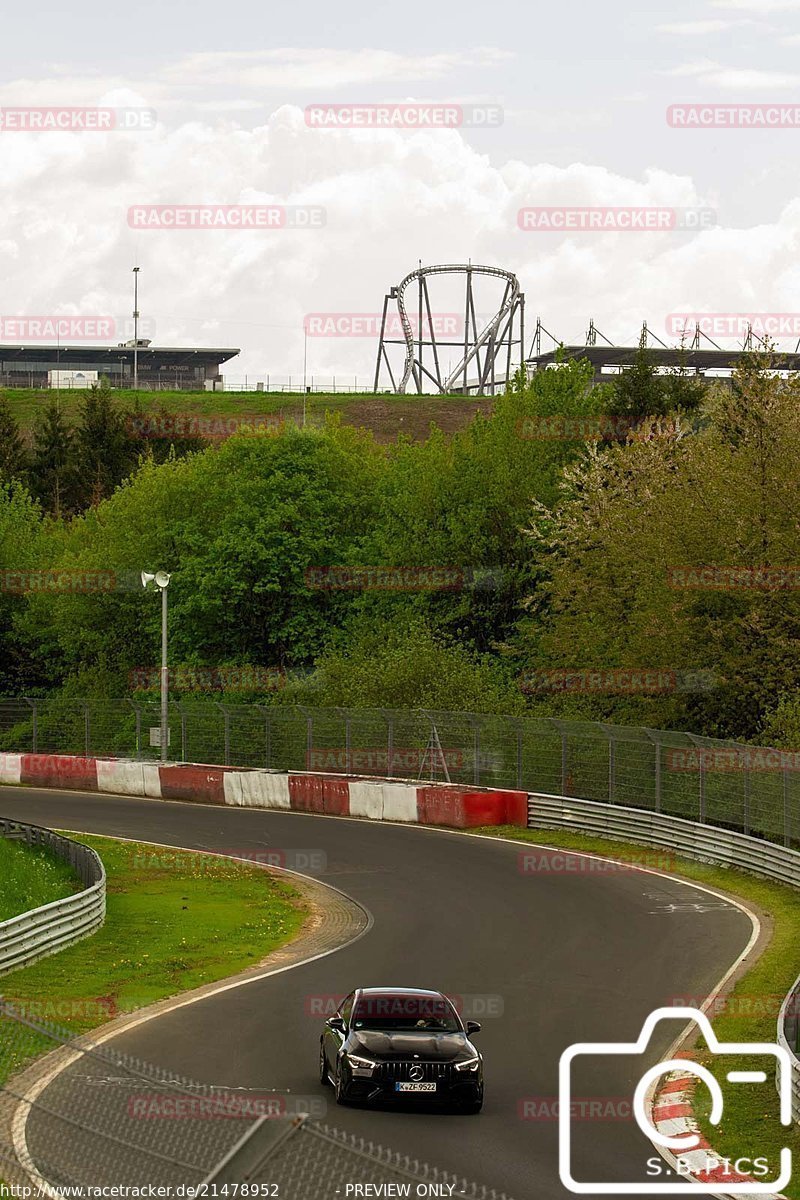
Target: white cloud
391,198
702,28
741,79
300,68
758,6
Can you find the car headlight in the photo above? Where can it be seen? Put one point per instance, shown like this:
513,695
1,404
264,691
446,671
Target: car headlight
361,1064
469,1064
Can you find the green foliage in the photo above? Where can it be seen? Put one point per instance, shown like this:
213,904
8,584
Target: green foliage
13,458
406,666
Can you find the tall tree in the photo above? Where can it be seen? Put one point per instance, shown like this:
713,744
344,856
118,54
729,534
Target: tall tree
638,392
13,458
52,471
104,451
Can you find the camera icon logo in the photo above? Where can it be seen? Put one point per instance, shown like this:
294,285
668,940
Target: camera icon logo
680,1144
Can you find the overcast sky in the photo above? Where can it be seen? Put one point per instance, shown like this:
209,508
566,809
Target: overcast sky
584,90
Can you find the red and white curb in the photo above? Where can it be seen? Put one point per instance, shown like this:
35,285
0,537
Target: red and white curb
673,1115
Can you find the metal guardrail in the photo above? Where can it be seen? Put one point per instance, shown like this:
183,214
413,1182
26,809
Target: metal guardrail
705,842
50,928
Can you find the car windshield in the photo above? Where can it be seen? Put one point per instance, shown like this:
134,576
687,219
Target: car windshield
405,1014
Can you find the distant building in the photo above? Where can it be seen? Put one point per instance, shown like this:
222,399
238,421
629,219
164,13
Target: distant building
159,367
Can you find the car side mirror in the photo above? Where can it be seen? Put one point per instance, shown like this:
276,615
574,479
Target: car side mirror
336,1023
473,1027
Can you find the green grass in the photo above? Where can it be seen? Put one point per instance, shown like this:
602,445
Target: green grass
751,1123
175,921
31,876
385,414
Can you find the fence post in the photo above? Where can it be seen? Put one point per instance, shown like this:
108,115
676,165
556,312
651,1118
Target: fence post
267,738
612,766
657,797
476,753
86,727
183,736
390,745
347,763
746,798
519,756
226,716
786,827
563,763
34,725
309,739
702,796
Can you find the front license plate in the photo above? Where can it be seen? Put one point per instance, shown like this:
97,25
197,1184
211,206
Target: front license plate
415,1087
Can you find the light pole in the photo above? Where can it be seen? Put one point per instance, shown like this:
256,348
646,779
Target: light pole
161,580
136,329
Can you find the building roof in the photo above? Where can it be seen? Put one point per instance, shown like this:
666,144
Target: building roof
661,356
170,356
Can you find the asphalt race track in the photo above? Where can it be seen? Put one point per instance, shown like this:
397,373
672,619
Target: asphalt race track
574,957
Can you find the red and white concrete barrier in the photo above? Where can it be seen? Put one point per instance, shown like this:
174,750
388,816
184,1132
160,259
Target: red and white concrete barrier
334,795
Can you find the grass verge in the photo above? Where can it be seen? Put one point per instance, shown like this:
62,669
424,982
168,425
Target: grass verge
31,876
175,921
750,1126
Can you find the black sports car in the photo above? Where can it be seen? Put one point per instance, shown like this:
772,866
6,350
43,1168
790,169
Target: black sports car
391,1043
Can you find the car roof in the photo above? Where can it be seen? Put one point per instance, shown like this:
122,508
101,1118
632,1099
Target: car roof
401,991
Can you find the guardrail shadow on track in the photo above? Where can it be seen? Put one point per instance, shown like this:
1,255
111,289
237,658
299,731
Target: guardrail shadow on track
108,1119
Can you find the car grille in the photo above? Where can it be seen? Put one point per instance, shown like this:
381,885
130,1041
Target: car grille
434,1072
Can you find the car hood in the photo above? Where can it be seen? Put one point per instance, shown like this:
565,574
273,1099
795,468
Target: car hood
444,1046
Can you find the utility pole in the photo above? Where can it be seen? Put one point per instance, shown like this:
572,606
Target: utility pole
136,329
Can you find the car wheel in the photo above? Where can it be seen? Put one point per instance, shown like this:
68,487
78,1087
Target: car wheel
324,1077
339,1088
473,1106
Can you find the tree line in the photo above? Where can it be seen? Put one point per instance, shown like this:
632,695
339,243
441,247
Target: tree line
642,530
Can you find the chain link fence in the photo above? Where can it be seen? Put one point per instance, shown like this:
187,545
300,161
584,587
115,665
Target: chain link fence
749,788
86,1117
